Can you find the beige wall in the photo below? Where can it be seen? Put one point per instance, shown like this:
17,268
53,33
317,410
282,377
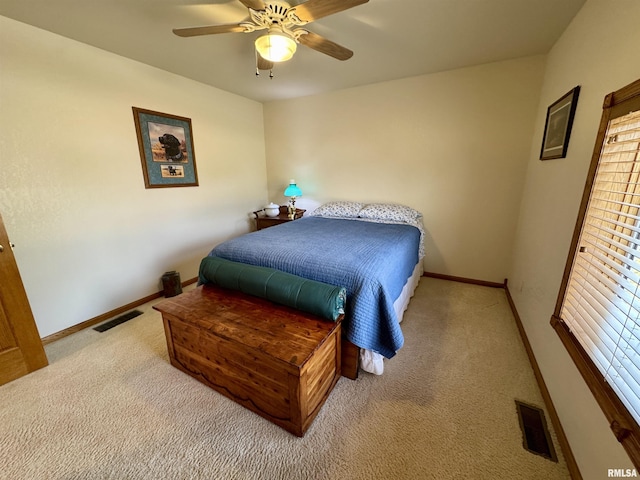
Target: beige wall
600,52
89,237
453,145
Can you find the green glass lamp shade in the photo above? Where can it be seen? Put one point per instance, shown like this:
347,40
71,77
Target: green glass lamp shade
292,190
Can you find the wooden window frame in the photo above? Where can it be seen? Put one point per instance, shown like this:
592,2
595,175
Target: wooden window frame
622,423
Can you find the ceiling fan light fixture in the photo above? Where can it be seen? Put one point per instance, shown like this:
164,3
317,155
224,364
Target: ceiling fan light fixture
276,46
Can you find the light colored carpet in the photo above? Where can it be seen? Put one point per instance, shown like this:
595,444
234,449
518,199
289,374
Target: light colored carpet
110,406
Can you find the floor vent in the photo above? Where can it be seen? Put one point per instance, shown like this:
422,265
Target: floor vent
535,433
117,321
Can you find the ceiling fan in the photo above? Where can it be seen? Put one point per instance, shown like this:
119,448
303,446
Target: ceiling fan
282,22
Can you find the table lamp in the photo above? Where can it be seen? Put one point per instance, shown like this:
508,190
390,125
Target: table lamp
292,191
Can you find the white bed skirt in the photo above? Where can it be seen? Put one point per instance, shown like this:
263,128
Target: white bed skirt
371,361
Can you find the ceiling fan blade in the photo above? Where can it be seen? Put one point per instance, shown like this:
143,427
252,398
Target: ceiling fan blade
263,64
255,4
322,45
210,30
312,10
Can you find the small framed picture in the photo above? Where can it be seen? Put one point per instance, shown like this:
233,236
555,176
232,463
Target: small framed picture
166,149
557,129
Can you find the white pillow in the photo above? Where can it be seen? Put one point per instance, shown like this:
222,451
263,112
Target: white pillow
390,211
338,209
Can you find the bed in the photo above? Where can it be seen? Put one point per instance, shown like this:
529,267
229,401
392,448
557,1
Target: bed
375,251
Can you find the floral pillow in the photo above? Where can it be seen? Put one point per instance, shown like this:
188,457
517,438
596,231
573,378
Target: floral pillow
338,209
390,211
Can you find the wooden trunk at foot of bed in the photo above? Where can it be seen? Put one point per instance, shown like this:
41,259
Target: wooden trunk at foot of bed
278,362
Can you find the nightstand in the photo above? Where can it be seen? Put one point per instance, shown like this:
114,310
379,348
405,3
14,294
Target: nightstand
262,221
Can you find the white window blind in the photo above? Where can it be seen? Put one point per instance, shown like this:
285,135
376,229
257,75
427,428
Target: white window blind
602,301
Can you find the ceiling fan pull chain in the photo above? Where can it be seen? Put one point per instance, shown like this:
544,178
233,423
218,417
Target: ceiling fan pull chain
271,74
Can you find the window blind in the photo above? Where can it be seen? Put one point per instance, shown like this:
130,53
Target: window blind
601,305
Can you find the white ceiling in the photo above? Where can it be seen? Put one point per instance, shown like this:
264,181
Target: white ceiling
391,38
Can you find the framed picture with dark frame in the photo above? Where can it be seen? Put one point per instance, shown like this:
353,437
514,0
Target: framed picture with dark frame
166,149
557,129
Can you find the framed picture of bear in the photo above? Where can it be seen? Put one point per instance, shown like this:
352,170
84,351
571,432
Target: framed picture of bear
166,149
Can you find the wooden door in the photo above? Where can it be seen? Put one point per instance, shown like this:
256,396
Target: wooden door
21,349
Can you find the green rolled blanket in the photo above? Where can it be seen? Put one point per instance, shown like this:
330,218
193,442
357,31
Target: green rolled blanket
321,299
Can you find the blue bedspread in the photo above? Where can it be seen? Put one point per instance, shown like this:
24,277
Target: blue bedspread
371,260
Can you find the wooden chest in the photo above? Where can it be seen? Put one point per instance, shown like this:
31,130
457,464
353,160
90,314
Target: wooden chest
278,362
